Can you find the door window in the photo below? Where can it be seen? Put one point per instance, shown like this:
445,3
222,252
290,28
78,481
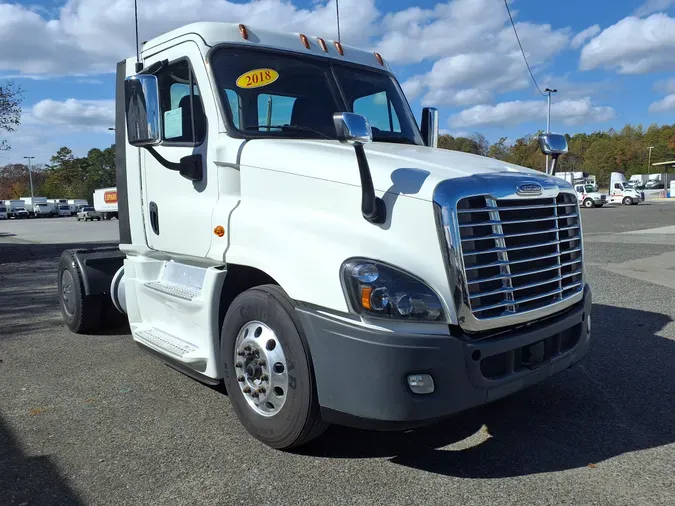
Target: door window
617,186
183,119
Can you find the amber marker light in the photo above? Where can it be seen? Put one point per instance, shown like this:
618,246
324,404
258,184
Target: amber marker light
379,59
219,231
339,48
322,43
304,40
243,31
366,291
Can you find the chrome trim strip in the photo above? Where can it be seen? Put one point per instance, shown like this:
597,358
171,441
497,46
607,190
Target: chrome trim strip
498,186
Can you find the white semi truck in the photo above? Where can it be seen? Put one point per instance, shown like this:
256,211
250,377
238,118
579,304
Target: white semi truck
105,202
287,229
584,185
623,191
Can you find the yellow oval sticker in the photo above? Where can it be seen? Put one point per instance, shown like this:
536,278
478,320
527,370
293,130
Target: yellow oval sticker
257,78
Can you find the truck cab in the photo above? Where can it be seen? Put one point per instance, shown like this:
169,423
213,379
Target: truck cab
288,230
622,191
589,196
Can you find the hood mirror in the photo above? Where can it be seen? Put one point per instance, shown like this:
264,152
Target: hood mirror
355,130
554,145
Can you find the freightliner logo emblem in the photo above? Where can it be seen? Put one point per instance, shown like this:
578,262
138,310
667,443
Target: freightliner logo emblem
530,189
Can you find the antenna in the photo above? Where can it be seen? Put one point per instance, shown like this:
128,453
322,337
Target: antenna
139,65
337,10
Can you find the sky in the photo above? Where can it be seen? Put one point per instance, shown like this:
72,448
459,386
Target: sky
612,61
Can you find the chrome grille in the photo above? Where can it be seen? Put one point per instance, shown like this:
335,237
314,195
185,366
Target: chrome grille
519,254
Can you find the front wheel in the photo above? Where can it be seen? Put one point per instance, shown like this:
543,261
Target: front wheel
268,372
627,201
589,203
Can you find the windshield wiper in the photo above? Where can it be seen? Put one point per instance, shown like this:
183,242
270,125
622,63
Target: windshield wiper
396,140
289,127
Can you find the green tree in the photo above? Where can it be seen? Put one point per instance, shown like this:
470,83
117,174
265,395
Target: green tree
11,97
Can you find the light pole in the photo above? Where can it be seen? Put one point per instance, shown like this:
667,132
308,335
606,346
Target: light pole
30,175
548,118
649,161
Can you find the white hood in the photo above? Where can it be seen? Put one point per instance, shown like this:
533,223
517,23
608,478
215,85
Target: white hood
403,168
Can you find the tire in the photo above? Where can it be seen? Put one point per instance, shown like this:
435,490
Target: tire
82,313
589,203
297,420
627,201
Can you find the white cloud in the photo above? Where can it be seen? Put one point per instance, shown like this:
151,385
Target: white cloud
633,45
665,85
72,114
89,36
665,104
570,112
584,35
651,6
491,65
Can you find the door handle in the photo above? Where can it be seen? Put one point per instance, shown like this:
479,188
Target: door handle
154,218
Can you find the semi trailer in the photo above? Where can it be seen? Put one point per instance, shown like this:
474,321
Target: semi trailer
289,231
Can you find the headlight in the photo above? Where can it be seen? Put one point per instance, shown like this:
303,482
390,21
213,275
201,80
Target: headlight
379,290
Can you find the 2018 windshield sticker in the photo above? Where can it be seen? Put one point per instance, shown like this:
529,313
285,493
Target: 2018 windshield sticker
257,78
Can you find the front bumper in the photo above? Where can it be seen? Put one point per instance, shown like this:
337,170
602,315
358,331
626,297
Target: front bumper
361,374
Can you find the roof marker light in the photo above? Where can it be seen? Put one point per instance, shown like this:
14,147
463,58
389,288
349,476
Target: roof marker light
339,48
379,59
243,31
322,43
304,40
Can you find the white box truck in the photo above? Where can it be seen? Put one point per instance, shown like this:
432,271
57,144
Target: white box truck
76,204
61,206
39,207
324,260
16,208
105,202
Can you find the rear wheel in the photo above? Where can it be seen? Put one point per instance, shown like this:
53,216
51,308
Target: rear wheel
627,201
268,372
81,312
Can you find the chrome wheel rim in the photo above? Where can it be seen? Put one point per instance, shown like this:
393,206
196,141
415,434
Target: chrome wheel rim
67,292
260,368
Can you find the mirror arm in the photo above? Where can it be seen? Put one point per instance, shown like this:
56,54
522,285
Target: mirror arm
554,162
372,207
163,161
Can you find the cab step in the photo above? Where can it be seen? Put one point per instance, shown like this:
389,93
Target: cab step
170,345
178,290
179,280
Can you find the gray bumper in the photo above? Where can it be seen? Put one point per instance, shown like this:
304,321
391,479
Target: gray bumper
361,374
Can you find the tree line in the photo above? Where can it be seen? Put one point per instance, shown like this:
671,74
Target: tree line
599,153
66,176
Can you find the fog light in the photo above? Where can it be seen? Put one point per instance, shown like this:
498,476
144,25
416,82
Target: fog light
421,383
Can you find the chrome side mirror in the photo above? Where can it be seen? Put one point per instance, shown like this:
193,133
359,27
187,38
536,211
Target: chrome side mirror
430,126
552,144
141,97
352,128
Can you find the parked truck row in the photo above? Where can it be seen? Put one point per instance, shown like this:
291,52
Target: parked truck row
105,207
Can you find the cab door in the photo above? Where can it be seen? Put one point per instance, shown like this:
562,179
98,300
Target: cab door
617,192
177,210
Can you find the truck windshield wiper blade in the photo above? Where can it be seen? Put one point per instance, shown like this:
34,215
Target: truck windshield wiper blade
289,127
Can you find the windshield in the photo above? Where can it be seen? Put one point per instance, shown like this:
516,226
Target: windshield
270,94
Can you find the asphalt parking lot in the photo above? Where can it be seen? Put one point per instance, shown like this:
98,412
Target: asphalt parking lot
93,420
